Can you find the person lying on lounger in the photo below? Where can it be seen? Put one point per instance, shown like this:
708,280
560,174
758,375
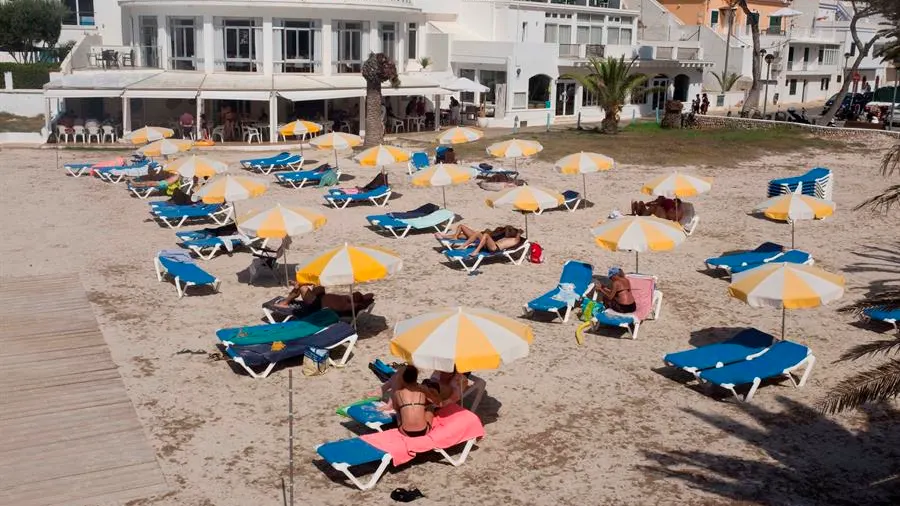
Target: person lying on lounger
618,296
413,403
155,180
494,240
316,297
662,207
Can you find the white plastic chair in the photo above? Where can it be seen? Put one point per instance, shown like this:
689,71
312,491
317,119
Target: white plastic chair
397,125
62,133
79,131
344,126
93,132
108,133
250,133
220,132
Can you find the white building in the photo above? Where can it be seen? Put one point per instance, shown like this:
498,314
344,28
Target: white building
149,61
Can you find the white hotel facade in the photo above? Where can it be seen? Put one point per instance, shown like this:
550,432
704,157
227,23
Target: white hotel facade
148,61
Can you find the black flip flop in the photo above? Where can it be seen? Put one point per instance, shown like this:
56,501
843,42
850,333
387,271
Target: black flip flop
403,495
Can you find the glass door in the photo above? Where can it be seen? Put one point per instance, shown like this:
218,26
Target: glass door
661,83
148,40
565,98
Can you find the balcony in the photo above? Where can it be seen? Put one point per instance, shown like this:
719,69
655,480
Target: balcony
681,51
811,67
580,51
599,4
105,57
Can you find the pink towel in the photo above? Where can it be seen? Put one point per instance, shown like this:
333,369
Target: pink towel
452,425
349,191
115,162
642,289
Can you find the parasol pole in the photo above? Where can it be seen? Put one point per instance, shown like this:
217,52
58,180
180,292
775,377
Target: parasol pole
444,194
352,306
335,158
291,433
792,240
584,187
782,322
636,264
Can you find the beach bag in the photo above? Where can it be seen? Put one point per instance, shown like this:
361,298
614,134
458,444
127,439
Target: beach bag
536,253
315,362
329,178
588,308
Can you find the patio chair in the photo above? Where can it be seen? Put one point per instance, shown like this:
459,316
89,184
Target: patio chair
250,133
62,134
578,274
219,132
781,360
93,132
418,161
108,133
78,132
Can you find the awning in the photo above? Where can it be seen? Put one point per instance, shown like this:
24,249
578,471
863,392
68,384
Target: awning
431,90
458,31
235,95
184,94
300,96
77,93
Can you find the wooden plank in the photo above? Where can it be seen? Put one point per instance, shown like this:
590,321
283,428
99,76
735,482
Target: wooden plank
68,430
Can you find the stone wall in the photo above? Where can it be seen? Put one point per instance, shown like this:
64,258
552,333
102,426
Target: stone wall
755,124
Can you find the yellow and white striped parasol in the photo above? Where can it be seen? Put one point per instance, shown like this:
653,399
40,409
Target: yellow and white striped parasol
459,135
165,147
514,149
349,265
795,206
527,199
196,166
148,134
786,286
584,163
443,175
229,188
677,184
337,141
467,339
279,222
299,128
381,155
638,234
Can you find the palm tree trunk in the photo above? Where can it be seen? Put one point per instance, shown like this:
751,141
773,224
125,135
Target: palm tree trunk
374,125
752,101
610,123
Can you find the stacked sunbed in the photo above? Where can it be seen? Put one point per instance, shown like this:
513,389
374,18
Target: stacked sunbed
818,182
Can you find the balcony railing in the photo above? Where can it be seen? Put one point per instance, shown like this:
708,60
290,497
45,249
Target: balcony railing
570,50
580,51
603,4
680,51
594,50
118,57
798,66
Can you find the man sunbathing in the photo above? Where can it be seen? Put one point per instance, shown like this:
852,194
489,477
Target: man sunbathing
662,207
618,296
315,296
494,240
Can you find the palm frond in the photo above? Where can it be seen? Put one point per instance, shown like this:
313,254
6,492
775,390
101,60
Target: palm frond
879,384
886,299
885,346
882,202
726,80
890,162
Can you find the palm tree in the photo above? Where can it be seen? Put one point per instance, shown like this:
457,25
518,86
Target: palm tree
752,101
727,81
611,80
882,382
377,69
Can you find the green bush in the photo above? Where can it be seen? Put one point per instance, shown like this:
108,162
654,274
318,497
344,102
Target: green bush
27,75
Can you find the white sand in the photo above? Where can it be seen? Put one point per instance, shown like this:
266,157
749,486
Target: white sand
594,424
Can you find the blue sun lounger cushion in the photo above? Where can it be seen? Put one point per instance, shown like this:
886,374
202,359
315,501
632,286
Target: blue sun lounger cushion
572,199
781,360
254,356
794,256
762,253
745,345
418,161
269,333
379,196
369,415
176,216
440,220
183,271
300,178
516,255
880,314
271,159
578,274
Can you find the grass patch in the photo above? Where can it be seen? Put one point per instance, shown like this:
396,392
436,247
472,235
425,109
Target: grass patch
646,143
12,123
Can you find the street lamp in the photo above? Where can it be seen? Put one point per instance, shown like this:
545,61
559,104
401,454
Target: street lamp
769,59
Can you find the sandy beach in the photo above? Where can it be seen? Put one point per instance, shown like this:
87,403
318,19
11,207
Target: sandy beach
603,423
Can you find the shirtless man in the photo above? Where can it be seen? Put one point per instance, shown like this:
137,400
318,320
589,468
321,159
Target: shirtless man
618,296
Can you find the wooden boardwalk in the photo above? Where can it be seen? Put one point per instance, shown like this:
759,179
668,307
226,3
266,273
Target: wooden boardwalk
69,434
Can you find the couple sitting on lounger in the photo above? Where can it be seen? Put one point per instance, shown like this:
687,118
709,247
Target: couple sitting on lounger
315,297
494,240
662,207
416,403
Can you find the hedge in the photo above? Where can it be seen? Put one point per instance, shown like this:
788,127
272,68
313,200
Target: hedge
27,76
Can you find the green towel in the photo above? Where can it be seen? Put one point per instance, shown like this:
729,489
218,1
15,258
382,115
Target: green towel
294,329
343,409
329,178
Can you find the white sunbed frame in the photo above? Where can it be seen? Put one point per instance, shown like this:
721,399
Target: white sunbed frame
509,254
439,228
220,246
633,327
386,196
267,169
220,217
180,286
691,226
295,185
270,316
78,172
386,459
807,363
349,341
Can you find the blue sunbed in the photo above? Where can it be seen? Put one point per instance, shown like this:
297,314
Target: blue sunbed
270,333
379,196
300,178
440,220
117,174
572,199
176,216
793,256
761,254
745,345
890,316
183,271
78,169
207,247
278,160
418,161
252,356
782,358
580,275
815,183
516,255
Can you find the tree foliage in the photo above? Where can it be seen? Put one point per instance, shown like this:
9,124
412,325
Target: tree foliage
726,81
890,9
611,81
26,26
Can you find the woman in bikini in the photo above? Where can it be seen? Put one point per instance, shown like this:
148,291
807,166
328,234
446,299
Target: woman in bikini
494,240
618,296
413,403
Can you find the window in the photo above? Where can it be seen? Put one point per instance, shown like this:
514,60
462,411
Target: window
520,100
821,55
299,42
830,57
565,34
81,12
241,45
753,19
823,85
713,18
183,36
774,25
852,49
792,87
588,98
618,36
582,34
149,48
387,35
349,46
491,78
524,31
551,33
467,96
412,41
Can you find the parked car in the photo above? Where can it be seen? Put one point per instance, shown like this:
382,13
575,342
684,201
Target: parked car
852,105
